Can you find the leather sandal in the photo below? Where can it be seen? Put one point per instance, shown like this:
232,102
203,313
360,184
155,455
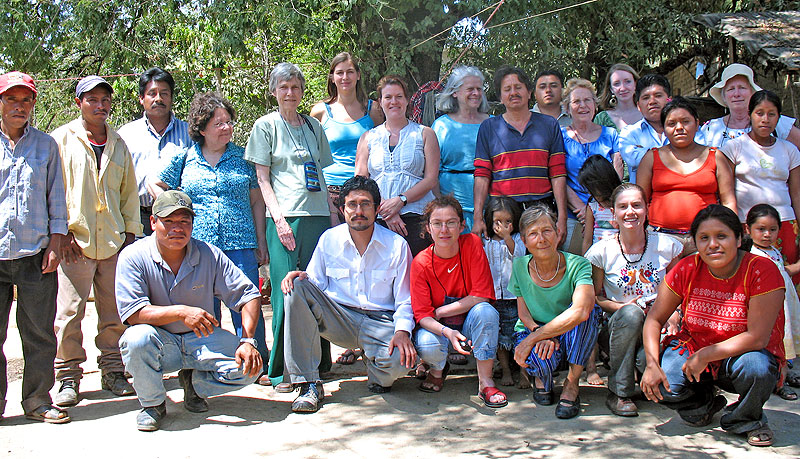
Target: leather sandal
434,384
763,436
48,414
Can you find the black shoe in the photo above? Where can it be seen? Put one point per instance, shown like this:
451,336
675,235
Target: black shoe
542,397
149,419
718,403
310,398
191,401
117,383
376,388
568,409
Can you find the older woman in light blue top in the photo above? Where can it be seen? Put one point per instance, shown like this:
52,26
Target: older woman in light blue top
582,139
465,107
224,191
403,158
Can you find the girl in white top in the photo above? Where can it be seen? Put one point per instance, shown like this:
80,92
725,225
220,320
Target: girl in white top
501,216
767,170
403,158
762,225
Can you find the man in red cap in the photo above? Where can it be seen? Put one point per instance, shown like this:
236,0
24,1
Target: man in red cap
103,209
33,220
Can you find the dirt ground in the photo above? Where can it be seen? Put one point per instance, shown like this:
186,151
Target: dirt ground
256,422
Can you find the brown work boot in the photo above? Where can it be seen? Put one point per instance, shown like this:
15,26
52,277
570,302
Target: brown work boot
621,406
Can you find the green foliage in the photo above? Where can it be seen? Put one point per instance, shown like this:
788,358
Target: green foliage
231,45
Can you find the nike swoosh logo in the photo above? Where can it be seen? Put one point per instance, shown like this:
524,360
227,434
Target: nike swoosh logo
451,269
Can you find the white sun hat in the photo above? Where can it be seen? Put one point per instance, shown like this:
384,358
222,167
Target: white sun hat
731,71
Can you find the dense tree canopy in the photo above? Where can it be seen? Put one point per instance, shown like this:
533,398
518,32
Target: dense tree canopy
230,45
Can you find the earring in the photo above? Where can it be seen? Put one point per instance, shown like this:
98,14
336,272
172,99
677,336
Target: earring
613,100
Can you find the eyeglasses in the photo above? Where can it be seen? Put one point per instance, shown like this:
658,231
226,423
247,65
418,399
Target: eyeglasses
222,125
364,205
451,224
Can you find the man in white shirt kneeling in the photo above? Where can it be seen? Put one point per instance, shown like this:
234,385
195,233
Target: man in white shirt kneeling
355,293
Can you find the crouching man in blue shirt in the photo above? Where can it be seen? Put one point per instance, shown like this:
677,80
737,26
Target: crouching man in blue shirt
166,285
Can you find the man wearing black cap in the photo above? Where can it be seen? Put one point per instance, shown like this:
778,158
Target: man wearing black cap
103,208
166,285
33,220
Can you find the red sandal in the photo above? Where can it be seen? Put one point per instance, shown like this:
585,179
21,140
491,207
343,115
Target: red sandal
486,395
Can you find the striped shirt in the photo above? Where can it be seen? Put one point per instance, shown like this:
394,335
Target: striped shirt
32,200
151,150
520,165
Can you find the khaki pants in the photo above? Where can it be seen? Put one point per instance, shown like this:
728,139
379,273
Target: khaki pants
75,281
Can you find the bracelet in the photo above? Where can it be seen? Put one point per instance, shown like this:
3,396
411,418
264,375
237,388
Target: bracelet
443,328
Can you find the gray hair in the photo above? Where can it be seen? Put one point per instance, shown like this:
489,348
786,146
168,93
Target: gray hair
533,214
285,71
445,101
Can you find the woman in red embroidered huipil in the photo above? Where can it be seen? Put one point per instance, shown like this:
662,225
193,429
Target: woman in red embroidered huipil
731,332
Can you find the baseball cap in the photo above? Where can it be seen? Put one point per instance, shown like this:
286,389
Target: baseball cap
170,201
11,79
90,82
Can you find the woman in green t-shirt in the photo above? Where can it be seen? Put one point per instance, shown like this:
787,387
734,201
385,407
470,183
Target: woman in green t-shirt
557,315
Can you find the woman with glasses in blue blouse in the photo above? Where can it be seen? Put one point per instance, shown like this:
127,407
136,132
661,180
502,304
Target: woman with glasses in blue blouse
224,193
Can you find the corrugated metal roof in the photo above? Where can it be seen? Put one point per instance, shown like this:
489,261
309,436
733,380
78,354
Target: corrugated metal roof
772,35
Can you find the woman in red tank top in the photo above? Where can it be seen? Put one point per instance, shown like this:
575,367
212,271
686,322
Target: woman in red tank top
683,177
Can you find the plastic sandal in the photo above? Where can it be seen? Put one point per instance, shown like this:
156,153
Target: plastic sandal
48,414
486,395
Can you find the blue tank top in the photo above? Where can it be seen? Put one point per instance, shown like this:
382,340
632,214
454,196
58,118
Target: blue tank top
343,139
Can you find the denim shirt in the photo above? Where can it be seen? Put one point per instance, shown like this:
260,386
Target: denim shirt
32,199
220,195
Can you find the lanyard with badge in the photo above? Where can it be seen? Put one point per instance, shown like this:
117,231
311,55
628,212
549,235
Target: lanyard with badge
309,167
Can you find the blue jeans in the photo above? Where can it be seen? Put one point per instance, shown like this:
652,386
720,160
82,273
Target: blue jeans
245,260
149,352
481,326
753,375
576,345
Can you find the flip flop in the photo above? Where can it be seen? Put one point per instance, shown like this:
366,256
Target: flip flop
48,414
434,384
763,436
486,395
348,357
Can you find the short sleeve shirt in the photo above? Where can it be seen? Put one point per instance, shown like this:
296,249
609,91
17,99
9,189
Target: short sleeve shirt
220,195
762,174
545,304
145,279
520,165
714,309
433,278
626,280
286,149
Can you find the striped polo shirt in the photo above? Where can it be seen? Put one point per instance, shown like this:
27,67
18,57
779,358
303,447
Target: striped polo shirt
520,165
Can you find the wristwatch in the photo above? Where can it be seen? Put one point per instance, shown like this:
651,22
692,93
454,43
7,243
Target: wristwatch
404,199
250,341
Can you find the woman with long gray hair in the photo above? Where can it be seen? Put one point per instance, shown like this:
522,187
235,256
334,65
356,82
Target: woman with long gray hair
465,107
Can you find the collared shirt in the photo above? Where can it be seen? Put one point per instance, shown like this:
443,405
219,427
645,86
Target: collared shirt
32,203
520,165
150,150
563,119
102,204
635,140
145,279
378,280
220,195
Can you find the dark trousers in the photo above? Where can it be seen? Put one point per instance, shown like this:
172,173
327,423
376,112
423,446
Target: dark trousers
36,312
144,214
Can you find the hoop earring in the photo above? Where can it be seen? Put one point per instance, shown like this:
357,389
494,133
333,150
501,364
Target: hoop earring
613,100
